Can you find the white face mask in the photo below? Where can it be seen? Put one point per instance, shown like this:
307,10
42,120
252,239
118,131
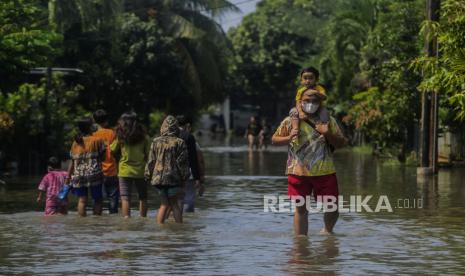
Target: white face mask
310,107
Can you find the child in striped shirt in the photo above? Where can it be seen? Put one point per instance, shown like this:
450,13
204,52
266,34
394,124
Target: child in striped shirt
50,186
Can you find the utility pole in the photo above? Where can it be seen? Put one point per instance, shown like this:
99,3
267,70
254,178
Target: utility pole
429,105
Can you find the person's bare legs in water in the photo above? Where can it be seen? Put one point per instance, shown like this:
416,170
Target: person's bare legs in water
169,203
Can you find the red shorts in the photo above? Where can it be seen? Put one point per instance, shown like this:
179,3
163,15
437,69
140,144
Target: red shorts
324,185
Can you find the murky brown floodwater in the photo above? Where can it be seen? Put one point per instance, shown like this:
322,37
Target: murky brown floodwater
230,233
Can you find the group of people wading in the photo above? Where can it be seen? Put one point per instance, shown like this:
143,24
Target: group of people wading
115,161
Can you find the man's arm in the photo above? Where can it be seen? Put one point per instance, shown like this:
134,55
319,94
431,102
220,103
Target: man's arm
192,155
283,140
284,134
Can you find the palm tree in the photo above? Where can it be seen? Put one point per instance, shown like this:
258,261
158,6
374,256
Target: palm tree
200,40
90,15
347,34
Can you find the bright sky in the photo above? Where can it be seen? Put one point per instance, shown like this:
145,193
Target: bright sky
233,19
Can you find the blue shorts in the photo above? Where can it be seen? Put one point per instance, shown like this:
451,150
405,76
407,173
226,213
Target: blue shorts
96,192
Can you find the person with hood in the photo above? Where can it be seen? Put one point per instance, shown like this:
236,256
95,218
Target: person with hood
168,168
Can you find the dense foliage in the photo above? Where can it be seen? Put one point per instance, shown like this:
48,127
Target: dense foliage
364,50
150,56
171,56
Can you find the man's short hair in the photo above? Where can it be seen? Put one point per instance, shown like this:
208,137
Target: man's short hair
54,163
183,120
311,69
100,116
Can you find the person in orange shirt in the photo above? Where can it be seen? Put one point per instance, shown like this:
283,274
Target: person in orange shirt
109,166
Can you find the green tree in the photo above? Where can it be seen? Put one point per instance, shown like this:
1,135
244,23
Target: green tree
388,110
200,42
88,15
130,58
270,47
446,73
344,37
24,43
26,118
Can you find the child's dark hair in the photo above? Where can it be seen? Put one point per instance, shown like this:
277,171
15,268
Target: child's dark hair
310,70
100,116
84,126
54,163
129,130
183,120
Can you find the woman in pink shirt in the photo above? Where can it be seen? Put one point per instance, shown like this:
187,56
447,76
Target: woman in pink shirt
50,186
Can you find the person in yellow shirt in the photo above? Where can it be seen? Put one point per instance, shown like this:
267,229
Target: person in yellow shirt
109,166
132,145
309,80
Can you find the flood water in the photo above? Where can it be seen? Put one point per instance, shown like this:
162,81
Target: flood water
230,234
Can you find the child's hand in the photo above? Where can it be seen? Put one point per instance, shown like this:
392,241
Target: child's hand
294,133
322,128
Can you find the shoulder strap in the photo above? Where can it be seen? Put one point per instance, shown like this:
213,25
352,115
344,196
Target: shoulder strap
331,147
310,124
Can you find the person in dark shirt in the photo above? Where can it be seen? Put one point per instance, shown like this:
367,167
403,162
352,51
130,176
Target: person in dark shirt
252,132
196,179
265,135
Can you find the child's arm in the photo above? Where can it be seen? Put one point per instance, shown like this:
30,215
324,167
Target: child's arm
43,186
298,106
40,196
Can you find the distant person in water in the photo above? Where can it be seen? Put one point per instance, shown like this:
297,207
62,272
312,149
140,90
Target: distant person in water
168,168
252,132
132,145
109,166
85,171
264,136
50,186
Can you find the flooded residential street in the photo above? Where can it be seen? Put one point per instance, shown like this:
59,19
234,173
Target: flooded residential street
231,234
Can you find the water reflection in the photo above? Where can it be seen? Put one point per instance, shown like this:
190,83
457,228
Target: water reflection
428,189
319,256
